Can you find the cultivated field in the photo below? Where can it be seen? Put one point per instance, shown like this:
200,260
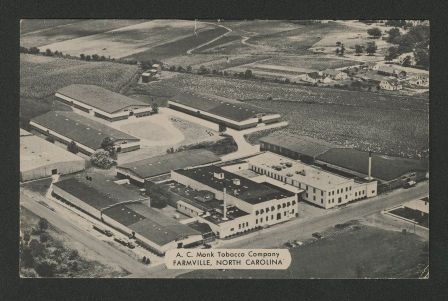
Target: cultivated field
42,76
358,251
394,125
53,31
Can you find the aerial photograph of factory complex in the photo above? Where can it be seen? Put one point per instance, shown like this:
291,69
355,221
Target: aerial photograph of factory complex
140,137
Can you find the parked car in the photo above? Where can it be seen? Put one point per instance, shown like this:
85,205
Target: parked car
317,235
130,245
108,233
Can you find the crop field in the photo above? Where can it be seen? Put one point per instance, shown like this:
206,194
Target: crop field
366,252
30,25
178,47
394,125
214,46
253,27
54,31
42,76
313,62
125,40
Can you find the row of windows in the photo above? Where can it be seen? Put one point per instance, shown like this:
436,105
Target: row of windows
338,191
272,208
243,225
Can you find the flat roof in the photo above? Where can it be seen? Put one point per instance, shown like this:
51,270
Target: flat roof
100,98
163,164
149,223
99,193
384,167
296,170
227,108
36,152
248,190
301,144
216,216
80,129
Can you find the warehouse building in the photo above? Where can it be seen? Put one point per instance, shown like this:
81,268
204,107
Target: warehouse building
301,148
322,188
88,134
123,209
40,158
102,103
160,166
239,204
390,172
230,113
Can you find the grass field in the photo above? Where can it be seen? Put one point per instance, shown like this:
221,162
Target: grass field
53,31
367,252
313,62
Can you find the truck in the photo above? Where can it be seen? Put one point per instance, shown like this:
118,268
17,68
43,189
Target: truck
103,231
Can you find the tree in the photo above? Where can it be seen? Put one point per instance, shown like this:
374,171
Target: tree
82,56
34,50
407,61
422,58
36,248
359,49
102,159
392,53
43,224
48,52
338,43
371,48
44,237
73,147
337,51
203,70
45,269
108,145
342,50
394,34
189,69
248,73
374,32
95,57
26,237
395,23
155,108
88,57
26,258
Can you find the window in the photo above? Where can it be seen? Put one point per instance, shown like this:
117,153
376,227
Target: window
293,203
247,224
345,196
272,216
314,190
261,211
292,211
272,208
356,194
283,205
231,229
321,201
284,213
256,221
256,212
279,206
54,171
373,191
239,226
346,189
350,188
314,198
321,193
267,210
261,220
288,204
339,200
267,218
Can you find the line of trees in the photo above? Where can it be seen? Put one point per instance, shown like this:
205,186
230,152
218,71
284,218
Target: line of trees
370,48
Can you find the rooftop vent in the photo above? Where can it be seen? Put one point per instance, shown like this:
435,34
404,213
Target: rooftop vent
236,182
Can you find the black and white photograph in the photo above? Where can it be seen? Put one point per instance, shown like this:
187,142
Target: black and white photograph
224,148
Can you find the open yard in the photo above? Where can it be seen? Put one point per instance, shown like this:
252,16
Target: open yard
359,252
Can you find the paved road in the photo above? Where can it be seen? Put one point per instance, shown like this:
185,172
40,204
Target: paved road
78,234
303,228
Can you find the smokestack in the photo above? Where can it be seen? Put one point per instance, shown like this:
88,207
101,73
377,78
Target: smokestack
370,166
224,216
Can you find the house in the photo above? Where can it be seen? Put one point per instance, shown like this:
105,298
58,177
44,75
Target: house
334,74
390,84
370,66
421,80
391,71
315,77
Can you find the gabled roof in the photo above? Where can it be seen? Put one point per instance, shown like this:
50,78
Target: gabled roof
227,108
159,165
385,168
301,144
100,98
80,129
149,223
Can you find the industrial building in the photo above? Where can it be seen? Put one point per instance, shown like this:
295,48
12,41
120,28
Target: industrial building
88,134
390,172
40,158
301,148
160,166
236,204
227,112
102,103
322,188
126,211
